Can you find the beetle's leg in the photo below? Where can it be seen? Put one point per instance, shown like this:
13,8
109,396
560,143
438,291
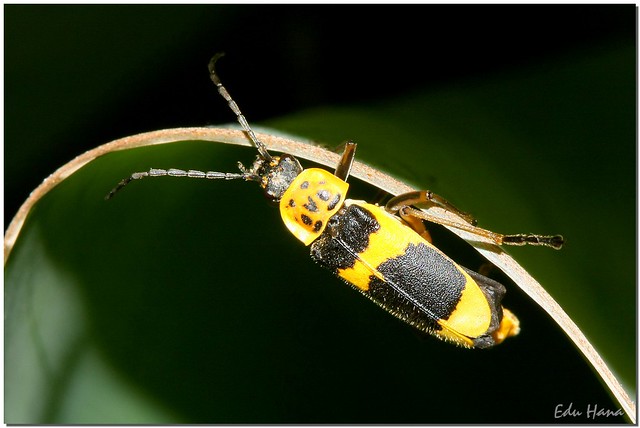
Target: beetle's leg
416,224
426,197
344,166
553,241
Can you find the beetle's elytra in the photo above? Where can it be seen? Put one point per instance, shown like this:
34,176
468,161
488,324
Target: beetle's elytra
385,253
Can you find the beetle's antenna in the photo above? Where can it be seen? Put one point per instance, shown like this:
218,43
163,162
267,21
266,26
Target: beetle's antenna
262,149
210,175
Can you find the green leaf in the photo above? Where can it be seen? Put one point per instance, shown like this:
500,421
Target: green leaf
187,301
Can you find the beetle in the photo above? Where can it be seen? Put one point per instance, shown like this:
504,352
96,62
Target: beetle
383,252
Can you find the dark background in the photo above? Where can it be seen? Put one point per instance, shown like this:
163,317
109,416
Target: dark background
78,76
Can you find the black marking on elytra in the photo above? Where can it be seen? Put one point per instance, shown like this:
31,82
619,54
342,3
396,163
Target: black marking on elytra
334,201
317,226
324,194
311,205
347,233
306,219
304,185
426,276
399,305
292,203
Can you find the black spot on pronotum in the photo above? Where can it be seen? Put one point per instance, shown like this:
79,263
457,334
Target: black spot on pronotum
311,205
324,195
304,185
334,201
306,219
317,226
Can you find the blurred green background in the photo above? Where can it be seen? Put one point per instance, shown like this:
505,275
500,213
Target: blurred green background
187,302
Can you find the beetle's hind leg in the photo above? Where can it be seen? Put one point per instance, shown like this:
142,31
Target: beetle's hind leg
401,205
416,224
397,203
426,197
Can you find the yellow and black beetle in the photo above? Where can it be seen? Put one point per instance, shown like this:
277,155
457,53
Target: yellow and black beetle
383,252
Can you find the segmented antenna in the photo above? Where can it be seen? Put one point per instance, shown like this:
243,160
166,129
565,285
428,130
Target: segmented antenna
209,175
245,174
262,149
